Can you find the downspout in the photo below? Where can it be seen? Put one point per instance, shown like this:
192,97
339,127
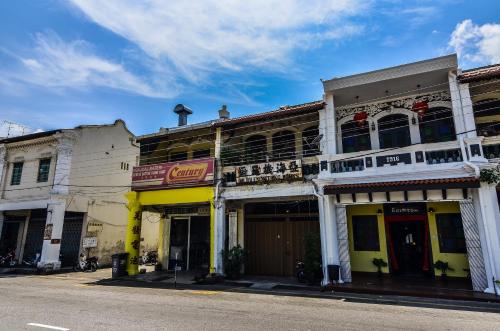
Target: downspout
322,232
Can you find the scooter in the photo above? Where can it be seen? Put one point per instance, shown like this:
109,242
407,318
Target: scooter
150,257
9,258
300,271
86,264
32,262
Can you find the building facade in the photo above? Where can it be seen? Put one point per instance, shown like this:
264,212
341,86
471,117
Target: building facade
59,187
392,166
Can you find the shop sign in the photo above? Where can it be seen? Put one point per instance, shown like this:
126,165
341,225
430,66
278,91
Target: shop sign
89,242
391,209
269,172
182,173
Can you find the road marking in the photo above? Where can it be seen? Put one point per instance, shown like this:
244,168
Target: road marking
45,326
204,292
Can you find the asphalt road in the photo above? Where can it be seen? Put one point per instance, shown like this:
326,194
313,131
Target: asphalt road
73,302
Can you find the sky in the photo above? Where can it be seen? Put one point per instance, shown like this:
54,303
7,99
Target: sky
65,63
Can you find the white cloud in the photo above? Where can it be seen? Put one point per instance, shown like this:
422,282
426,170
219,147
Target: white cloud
476,44
202,36
59,64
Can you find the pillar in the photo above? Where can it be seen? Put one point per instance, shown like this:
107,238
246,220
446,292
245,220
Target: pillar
233,229
219,235
329,236
3,163
133,238
474,249
162,245
486,203
51,248
241,226
343,243
328,125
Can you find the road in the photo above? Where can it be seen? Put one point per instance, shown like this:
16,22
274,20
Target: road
72,302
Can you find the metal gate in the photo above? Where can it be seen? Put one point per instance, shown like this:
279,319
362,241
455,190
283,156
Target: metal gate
34,234
71,238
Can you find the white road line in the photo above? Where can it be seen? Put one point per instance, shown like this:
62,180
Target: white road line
45,326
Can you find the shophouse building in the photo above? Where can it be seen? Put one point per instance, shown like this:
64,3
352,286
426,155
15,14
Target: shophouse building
62,186
401,175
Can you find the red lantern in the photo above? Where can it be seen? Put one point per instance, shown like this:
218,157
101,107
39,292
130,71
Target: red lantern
420,107
361,117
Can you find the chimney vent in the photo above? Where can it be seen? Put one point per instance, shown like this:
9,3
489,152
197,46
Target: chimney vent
223,113
183,113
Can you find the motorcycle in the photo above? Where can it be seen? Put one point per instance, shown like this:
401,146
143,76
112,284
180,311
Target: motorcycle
33,261
300,271
86,264
9,258
150,257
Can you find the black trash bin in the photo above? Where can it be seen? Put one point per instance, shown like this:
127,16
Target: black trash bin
333,272
119,264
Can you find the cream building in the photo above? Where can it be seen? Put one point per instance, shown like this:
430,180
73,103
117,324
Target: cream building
60,187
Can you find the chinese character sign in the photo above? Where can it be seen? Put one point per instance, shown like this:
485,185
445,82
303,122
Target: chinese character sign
269,172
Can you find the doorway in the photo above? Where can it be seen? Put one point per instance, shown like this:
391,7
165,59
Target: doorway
9,236
189,243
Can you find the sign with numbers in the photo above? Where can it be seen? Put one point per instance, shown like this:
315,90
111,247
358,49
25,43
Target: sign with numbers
89,242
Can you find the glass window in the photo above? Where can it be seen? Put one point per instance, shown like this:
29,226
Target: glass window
284,145
365,233
43,170
437,126
202,153
178,156
486,114
450,233
256,149
310,141
17,172
355,138
394,131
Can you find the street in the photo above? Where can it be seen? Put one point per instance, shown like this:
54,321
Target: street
72,302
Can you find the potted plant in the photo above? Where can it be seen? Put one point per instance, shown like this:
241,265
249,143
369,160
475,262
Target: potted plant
379,263
234,260
443,267
312,258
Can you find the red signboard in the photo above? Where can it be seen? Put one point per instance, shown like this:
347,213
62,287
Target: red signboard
182,173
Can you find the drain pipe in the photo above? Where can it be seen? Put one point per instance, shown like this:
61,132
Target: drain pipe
322,223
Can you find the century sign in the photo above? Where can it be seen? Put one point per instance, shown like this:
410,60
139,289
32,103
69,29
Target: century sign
269,172
182,173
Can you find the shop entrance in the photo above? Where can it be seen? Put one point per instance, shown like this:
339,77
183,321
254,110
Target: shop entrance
190,243
407,232
10,235
275,242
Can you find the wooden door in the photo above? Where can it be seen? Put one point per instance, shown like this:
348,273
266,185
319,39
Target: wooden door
264,243
296,229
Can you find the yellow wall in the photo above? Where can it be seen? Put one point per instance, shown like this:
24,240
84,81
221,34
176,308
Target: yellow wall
180,196
457,261
362,260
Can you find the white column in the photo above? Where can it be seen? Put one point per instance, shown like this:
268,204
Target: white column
233,229
489,226
53,234
241,226
219,234
328,229
3,163
467,110
322,232
456,102
63,164
330,127
343,244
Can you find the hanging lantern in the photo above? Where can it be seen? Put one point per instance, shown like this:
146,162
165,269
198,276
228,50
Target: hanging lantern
361,117
420,107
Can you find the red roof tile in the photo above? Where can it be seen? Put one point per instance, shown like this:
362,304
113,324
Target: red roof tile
282,111
406,185
473,75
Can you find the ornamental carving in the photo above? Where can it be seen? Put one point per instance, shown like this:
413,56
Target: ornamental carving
375,108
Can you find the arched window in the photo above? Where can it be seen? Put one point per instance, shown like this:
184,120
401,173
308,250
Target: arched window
256,149
310,141
284,145
394,131
355,137
437,126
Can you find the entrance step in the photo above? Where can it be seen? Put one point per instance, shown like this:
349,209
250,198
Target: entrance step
263,286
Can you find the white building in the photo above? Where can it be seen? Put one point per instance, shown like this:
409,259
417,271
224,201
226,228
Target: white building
60,186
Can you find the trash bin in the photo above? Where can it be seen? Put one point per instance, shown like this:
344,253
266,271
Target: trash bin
333,272
119,264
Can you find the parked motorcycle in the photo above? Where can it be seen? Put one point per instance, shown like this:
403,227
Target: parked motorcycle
86,264
150,257
32,261
300,271
9,258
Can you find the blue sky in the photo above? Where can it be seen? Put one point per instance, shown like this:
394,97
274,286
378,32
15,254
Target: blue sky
65,63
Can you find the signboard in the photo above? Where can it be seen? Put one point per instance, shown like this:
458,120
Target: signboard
269,172
89,242
393,159
182,173
393,209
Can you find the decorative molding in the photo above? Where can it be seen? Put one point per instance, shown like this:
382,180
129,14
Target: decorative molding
376,108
